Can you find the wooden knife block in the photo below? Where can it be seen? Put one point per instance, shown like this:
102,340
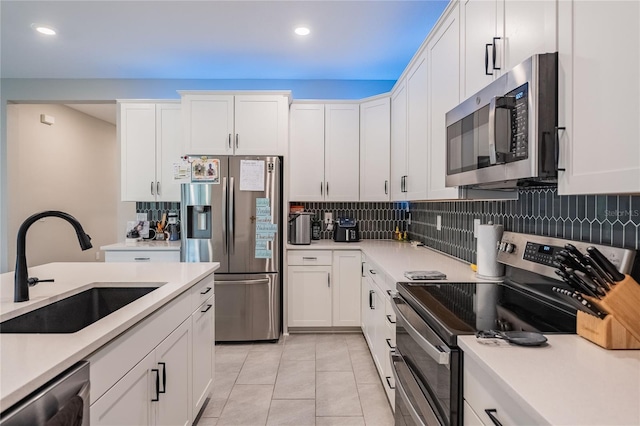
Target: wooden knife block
621,328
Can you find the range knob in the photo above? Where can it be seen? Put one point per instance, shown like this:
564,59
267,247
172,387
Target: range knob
502,246
510,248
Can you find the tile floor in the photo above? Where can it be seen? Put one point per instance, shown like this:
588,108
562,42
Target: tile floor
304,379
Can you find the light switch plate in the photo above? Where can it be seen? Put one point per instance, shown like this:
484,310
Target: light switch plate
328,217
439,223
476,223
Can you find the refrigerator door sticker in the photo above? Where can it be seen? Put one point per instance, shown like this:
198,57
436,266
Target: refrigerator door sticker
251,175
265,229
205,170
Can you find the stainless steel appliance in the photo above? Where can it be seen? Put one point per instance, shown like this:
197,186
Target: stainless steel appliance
506,135
66,396
300,228
427,362
346,231
236,221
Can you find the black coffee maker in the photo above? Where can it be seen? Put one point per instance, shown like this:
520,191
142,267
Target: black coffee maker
173,227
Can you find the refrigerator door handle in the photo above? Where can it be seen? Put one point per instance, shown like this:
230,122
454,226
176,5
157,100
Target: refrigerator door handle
231,215
225,238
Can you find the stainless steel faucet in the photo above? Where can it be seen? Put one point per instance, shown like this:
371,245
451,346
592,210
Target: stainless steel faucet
22,280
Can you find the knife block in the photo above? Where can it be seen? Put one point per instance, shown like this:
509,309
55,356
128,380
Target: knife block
621,328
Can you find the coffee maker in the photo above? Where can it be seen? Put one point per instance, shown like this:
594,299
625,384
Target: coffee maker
173,226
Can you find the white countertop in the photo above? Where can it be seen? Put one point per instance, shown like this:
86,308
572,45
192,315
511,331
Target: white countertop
395,257
570,381
143,245
27,361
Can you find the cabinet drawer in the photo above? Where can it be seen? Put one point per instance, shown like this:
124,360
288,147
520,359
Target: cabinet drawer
309,257
202,291
142,256
486,397
388,310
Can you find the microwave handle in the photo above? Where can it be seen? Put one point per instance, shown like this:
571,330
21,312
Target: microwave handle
493,157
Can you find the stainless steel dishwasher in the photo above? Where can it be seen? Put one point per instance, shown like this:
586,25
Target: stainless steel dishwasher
57,397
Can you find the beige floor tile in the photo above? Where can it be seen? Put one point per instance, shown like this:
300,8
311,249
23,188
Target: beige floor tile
375,405
356,343
230,361
299,351
222,385
364,369
332,357
248,405
335,338
300,339
292,412
260,368
337,394
296,380
339,421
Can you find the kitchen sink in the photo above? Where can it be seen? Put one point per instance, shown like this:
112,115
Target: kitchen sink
76,312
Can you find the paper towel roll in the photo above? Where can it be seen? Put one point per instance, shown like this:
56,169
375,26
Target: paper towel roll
488,265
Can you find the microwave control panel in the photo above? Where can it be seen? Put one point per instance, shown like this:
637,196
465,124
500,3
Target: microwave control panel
512,112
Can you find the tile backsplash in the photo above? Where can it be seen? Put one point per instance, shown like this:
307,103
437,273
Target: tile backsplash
154,210
376,220
602,219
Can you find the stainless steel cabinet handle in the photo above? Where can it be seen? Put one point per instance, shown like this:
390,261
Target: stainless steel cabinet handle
158,188
206,291
309,258
207,308
164,377
493,418
142,259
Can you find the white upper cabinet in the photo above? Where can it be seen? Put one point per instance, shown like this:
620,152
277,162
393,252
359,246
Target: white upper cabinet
375,145
150,136
599,97
444,94
228,124
415,181
497,35
398,141
342,151
324,152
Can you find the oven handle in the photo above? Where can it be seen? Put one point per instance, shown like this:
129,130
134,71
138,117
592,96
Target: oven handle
440,355
493,156
401,391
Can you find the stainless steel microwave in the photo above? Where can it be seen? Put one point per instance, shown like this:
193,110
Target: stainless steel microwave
505,136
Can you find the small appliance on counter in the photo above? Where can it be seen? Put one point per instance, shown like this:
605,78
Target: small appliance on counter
300,228
346,231
316,228
173,227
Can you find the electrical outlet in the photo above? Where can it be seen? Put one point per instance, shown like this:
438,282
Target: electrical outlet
408,219
328,218
438,223
142,216
97,255
476,223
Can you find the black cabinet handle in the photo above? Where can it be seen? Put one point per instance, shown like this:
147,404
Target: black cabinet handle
495,51
371,292
389,344
386,189
389,319
206,309
206,291
164,378
236,141
229,140
389,292
321,187
493,418
373,272
327,189
157,398
557,147
389,382
486,59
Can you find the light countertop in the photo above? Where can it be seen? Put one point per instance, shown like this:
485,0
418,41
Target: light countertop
395,257
27,361
570,381
145,245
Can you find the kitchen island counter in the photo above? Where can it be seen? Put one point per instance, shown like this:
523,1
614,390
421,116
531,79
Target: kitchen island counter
144,245
569,381
27,361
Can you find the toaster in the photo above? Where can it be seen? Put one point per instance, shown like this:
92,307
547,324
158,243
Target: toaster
346,231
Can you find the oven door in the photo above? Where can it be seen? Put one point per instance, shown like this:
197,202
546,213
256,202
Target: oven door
426,370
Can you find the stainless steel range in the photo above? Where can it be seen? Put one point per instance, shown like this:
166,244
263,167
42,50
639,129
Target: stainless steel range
427,363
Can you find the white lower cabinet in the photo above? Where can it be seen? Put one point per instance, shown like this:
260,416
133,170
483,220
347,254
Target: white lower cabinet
323,288
157,372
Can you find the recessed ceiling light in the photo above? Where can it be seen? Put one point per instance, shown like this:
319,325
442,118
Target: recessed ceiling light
42,29
303,31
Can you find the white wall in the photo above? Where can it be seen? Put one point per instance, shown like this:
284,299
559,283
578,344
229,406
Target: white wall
72,166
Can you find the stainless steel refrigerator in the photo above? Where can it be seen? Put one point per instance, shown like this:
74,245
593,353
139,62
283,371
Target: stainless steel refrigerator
233,217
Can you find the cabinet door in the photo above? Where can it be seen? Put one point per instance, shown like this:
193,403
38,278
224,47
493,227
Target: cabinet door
137,134
378,326
309,296
173,360
128,402
375,146
168,150
207,122
601,149
346,288
342,152
306,153
527,27
261,124
479,26
202,321
398,141
417,130
444,94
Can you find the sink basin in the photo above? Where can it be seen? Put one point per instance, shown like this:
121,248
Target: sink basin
75,312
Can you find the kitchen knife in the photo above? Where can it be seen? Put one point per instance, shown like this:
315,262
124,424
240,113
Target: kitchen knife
569,262
573,259
579,302
597,270
565,278
574,251
593,285
605,264
586,289
598,276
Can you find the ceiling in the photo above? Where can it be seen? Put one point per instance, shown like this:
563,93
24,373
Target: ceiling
207,39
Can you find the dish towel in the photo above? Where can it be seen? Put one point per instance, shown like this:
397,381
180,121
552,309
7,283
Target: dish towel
69,415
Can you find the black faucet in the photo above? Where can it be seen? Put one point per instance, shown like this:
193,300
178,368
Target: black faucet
22,280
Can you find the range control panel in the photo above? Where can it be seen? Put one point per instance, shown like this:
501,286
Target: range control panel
540,253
